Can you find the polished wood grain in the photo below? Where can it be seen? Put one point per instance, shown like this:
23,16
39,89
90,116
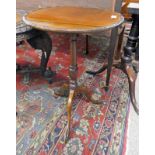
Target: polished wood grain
73,19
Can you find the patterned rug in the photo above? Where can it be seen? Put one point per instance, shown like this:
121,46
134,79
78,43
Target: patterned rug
42,116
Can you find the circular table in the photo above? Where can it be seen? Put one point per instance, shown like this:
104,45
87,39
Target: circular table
75,20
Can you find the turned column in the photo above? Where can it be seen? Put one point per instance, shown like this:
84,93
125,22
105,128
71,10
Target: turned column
72,79
131,46
132,40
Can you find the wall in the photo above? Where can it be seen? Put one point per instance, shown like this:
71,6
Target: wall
32,4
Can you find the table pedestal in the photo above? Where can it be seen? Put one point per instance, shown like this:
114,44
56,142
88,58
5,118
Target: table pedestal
71,89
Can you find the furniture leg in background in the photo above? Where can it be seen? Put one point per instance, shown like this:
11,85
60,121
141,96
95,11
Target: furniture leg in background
38,40
131,46
126,61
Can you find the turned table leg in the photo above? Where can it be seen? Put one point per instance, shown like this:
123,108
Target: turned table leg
72,78
87,44
131,46
72,88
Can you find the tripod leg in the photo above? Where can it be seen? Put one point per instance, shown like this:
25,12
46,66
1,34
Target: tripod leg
87,45
69,109
132,79
113,41
104,67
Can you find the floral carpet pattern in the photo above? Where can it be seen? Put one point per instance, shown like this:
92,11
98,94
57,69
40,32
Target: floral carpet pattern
42,117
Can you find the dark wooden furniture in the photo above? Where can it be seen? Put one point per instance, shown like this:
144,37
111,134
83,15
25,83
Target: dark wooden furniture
37,39
132,46
75,20
125,63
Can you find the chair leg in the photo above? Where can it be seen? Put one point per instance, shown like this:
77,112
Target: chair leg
43,42
87,44
113,41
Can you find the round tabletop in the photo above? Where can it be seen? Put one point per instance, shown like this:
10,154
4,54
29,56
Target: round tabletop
73,19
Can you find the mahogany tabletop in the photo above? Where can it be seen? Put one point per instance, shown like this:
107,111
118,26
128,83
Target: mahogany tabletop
73,19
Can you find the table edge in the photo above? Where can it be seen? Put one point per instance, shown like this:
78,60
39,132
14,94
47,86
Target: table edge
92,30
